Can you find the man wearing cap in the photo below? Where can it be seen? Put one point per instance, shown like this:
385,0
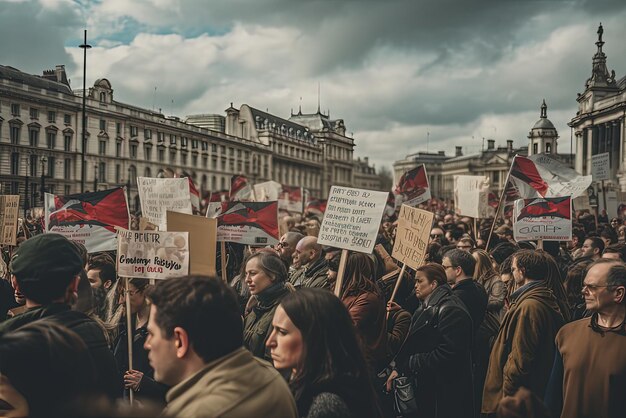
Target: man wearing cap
45,269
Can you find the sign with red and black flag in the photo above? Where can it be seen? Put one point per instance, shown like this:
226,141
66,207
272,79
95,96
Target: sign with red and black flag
413,187
250,223
240,189
290,199
316,206
549,219
88,218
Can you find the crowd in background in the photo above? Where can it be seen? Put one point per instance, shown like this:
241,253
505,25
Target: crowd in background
509,330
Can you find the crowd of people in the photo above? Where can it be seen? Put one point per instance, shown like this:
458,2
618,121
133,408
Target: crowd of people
486,327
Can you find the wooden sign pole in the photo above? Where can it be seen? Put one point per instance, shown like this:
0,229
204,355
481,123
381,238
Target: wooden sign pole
342,267
129,335
540,244
223,261
397,286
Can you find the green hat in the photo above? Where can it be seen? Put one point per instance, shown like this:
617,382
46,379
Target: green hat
45,255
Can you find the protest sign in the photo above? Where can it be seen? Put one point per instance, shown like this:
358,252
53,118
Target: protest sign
250,223
290,199
413,187
412,236
158,195
9,208
601,166
88,218
471,196
202,240
152,254
267,191
548,219
352,219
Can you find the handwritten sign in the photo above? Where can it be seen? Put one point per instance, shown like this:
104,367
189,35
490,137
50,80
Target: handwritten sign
412,236
158,195
548,219
601,166
352,219
9,208
471,196
152,255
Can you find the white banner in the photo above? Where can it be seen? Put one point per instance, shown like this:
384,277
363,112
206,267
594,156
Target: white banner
152,254
601,167
352,219
158,195
471,196
548,219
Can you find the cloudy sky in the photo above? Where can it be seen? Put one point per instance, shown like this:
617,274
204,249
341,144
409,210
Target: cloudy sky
397,71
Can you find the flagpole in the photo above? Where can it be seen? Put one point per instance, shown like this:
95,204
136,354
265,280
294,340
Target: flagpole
397,286
129,335
497,215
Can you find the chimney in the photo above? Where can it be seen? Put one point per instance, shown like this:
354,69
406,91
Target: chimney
458,151
441,153
491,144
509,145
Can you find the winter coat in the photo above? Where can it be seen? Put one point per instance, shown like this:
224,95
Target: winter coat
437,354
523,352
258,323
474,297
233,386
88,330
314,274
368,313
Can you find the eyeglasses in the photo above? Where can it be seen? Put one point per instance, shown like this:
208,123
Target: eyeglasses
281,244
593,287
436,235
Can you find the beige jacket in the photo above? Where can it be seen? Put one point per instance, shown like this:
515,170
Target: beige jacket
236,385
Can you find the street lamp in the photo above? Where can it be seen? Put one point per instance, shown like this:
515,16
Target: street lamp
43,178
85,46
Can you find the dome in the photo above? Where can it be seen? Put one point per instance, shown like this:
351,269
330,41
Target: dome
544,123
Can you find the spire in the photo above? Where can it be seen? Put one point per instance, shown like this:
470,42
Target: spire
318,97
544,109
600,76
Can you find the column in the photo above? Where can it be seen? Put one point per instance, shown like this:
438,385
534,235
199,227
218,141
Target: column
579,154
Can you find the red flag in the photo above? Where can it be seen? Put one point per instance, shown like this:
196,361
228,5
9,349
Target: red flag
316,205
240,188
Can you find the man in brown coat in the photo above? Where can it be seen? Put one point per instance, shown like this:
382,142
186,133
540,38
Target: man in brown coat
589,374
523,352
195,338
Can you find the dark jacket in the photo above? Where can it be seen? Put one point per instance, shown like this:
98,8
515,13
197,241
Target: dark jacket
474,297
438,354
523,352
258,323
88,330
314,274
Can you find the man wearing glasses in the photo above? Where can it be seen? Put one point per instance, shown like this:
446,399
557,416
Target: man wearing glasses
589,374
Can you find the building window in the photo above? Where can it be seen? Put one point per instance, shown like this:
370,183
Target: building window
133,151
103,125
15,134
67,189
67,119
213,148
231,151
102,172
51,165
172,156
548,148
148,152
15,109
102,147
172,139
118,129
160,136
205,146
535,148
33,161
194,160
134,131
194,144
15,163
67,142
33,136
67,168
222,150
118,173
103,97
183,159
34,113
161,155
51,140
52,116
147,134
183,142
118,149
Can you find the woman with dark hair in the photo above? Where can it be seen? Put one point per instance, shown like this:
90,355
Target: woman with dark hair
45,370
313,337
141,377
366,304
266,277
573,285
436,355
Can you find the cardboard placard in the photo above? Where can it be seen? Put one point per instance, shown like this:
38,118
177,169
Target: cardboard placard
152,254
352,219
202,240
548,219
158,195
9,208
250,223
412,236
413,187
